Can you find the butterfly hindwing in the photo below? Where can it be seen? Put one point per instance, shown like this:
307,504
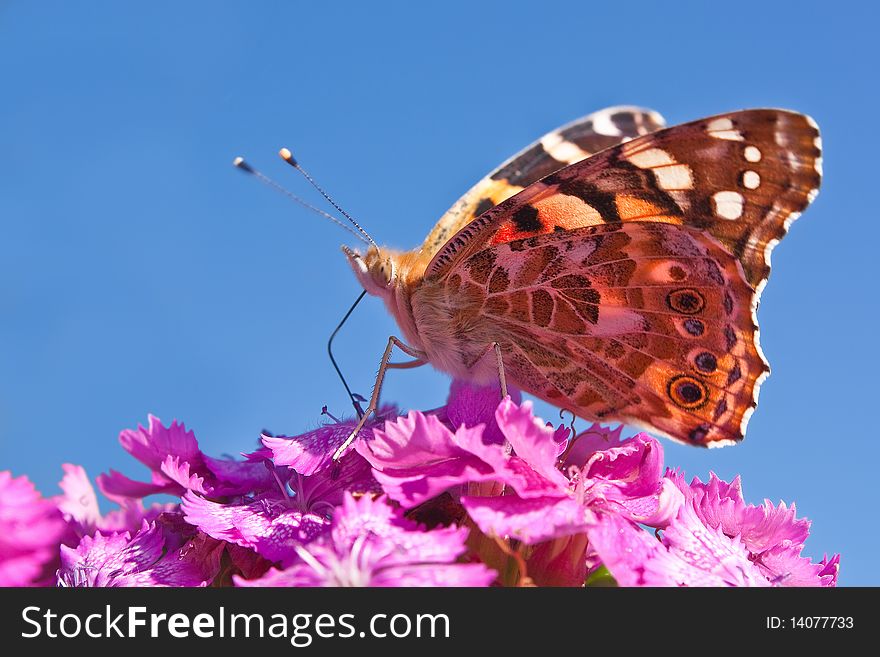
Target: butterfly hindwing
646,323
741,177
564,146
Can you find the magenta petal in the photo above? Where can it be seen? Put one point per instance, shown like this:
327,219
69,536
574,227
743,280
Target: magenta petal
132,514
79,504
239,477
313,451
830,570
372,544
470,405
151,445
593,439
774,536
532,440
633,556
690,555
425,575
179,472
106,560
411,441
196,563
632,469
267,526
530,520
154,556
31,528
654,510
416,458
118,487
783,566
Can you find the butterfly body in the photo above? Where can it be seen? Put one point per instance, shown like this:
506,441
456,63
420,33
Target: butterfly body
617,272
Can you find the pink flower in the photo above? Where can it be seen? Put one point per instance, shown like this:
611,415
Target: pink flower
273,523
79,506
417,457
714,539
430,499
372,544
312,451
773,535
177,464
31,528
690,554
159,554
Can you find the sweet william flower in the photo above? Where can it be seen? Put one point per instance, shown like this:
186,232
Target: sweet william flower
159,554
272,523
715,539
415,458
313,451
773,535
508,499
372,544
31,527
690,554
79,506
177,465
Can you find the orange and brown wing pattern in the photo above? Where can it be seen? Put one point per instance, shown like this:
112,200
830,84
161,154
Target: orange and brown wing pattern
567,145
741,177
646,323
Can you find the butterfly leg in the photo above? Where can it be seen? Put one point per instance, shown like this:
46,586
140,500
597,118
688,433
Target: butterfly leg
499,360
502,379
420,359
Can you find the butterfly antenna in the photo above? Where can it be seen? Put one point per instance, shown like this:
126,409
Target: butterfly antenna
355,398
287,156
242,165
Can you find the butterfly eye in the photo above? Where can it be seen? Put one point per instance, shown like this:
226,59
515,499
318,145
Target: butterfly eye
387,271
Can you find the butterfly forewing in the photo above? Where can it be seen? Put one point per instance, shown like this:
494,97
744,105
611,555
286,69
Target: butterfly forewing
742,177
571,143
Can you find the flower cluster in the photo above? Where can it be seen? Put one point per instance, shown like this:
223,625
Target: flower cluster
475,493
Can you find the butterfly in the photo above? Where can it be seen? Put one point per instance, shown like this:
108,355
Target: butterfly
612,269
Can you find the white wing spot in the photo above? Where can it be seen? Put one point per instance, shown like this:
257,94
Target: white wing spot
751,180
728,205
563,150
653,157
668,173
603,125
676,177
752,154
723,129
657,118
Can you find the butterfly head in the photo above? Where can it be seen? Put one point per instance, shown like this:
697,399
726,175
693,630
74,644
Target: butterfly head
376,270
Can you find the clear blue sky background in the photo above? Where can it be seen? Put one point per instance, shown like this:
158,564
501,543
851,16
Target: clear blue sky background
139,272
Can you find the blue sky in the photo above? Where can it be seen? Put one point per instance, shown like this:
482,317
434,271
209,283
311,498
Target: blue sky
140,273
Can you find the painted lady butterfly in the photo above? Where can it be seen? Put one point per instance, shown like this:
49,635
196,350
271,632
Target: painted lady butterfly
614,266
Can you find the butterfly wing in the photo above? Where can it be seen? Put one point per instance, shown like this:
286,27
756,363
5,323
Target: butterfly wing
743,177
564,146
650,324
625,286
